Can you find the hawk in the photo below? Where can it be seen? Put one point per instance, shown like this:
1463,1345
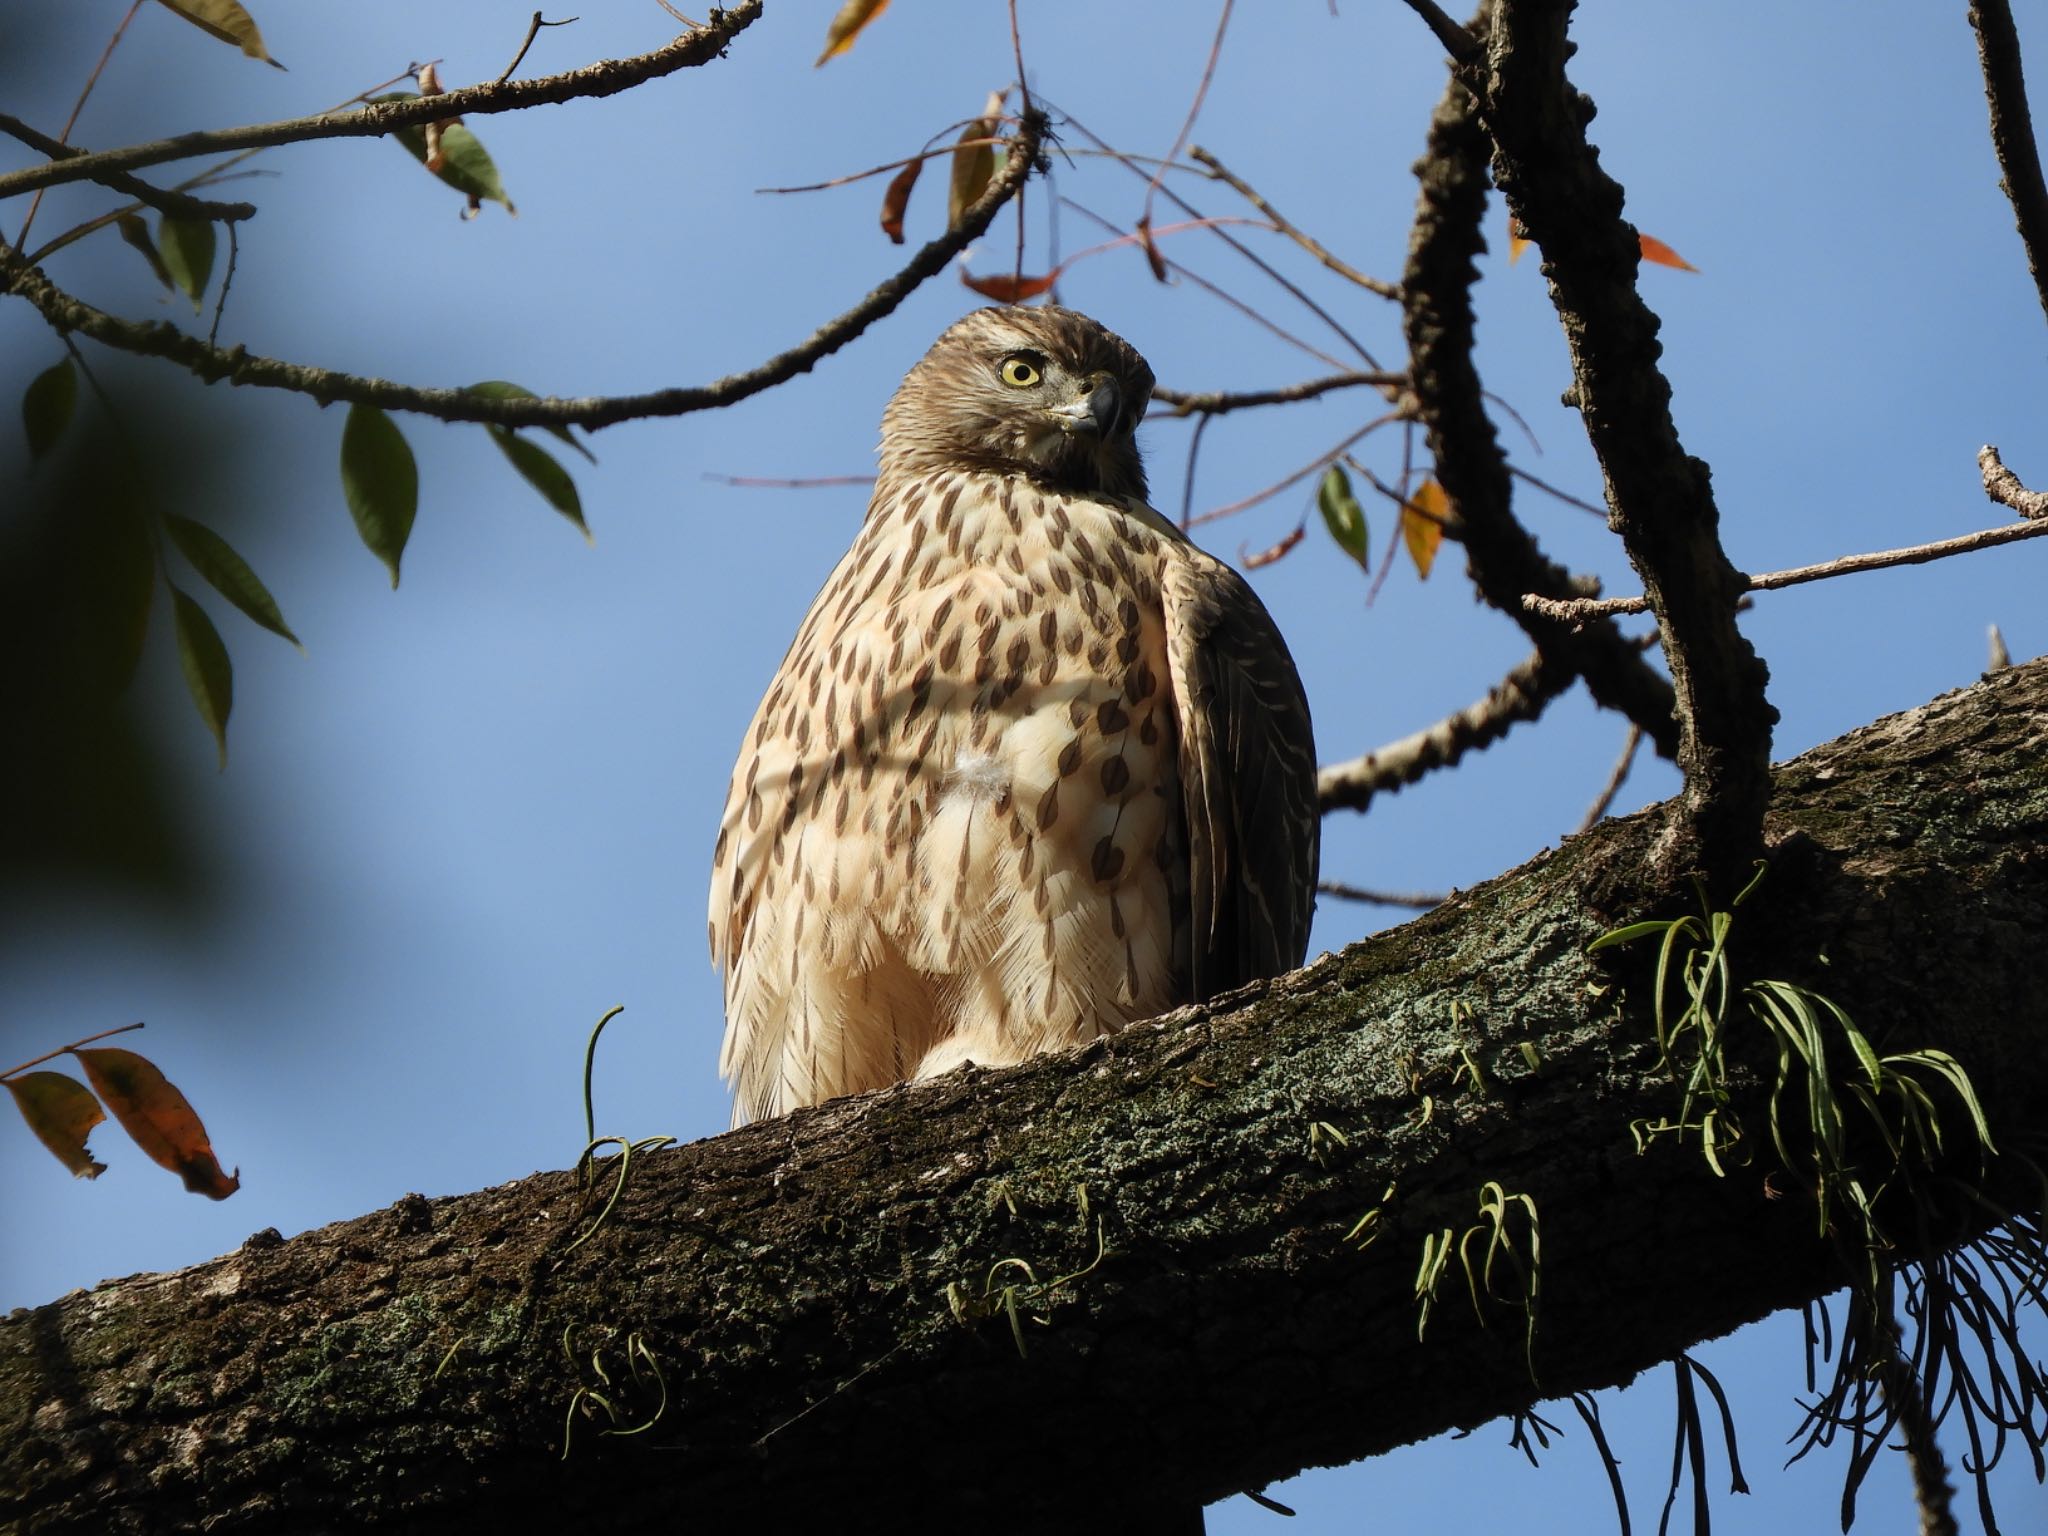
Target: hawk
1035,766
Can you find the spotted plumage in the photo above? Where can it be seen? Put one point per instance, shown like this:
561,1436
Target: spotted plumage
1035,766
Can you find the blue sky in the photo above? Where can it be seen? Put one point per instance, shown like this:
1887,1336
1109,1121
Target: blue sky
479,810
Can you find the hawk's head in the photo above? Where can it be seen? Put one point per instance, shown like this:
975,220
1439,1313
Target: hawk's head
1043,392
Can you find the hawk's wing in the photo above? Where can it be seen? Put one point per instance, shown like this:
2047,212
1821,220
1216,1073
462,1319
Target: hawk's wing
1248,777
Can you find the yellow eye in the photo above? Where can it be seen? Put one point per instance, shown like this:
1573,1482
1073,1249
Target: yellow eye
1020,372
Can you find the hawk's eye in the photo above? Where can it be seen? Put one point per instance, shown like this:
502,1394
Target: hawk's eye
1020,371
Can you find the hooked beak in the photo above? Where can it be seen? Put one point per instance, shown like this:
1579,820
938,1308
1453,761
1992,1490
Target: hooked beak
1097,412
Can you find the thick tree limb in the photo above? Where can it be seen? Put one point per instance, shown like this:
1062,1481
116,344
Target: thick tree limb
1173,1218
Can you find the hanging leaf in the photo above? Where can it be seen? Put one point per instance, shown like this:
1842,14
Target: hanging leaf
1153,259
463,162
896,200
1422,525
543,473
136,233
47,404
1656,250
62,1112
208,673
846,26
1275,551
1517,241
974,165
157,1116
1005,289
227,573
500,389
380,481
227,21
1342,514
187,247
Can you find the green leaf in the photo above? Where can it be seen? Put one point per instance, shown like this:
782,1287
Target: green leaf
502,389
381,482
465,164
208,672
227,573
1342,514
227,21
543,473
47,404
187,246
136,233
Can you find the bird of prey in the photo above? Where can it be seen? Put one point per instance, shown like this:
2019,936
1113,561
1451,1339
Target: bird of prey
1035,766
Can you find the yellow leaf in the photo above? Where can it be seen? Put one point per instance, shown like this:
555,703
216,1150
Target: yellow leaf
847,25
1422,525
974,165
227,21
61,1112
1656,250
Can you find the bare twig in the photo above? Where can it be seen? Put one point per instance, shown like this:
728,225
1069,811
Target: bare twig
2004,487
1286,227
78,106
237,366
1322,461
179,205
777,483
1459,43
532,31
2012,132
1194,111
1616,779
1552,491
606,78
1577,610
1217,402
1521,695
1421,901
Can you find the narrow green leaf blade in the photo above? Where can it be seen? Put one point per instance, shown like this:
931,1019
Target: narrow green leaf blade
227,573
465,164
136,233
504,389
1342,514
47,406
544,473
380,481
208,673
187,246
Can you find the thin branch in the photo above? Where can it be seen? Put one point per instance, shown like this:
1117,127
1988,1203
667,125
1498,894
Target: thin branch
2012,132
179,205
1550,490
237,366
77,107
1288,228
533,30
1421,901
1522,695
1459,43
605,78
1321,461
1217,402
1577,610
1616,779
2004,487
37,1061
1194,111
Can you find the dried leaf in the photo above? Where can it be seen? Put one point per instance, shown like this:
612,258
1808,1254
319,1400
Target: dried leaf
187,247
1656,250
1517,241
136,233
158,1117
1273,552
208,672
381,483
896,201
1005,289
227,21
1422,525
227,573
847,24
47,404
1342,514
1153,259
62,1113
543,473
974,164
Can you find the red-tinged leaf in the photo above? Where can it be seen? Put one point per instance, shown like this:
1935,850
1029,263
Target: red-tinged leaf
47,405
1272,552
1005,289
158,1117
974,164
846,26
1656,250
208,672
62,1113
227,21
1153,259
1423,518
1517,241
1342,514
896,201
136,233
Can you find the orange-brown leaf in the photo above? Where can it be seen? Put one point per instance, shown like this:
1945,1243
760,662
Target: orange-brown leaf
1423,517
158,1117
1517,241
1656,250
1152,257
846,26
1005,289
1272,552
61,1113
896,201
974,163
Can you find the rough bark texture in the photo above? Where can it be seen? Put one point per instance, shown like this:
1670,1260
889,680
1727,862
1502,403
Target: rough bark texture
772,1305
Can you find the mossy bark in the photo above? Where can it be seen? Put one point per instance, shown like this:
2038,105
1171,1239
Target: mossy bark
807,1318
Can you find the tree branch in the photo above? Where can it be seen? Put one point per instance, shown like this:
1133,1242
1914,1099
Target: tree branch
237,366
181,205
606,78
1211,1290
1217,402
2012,133
1288,228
